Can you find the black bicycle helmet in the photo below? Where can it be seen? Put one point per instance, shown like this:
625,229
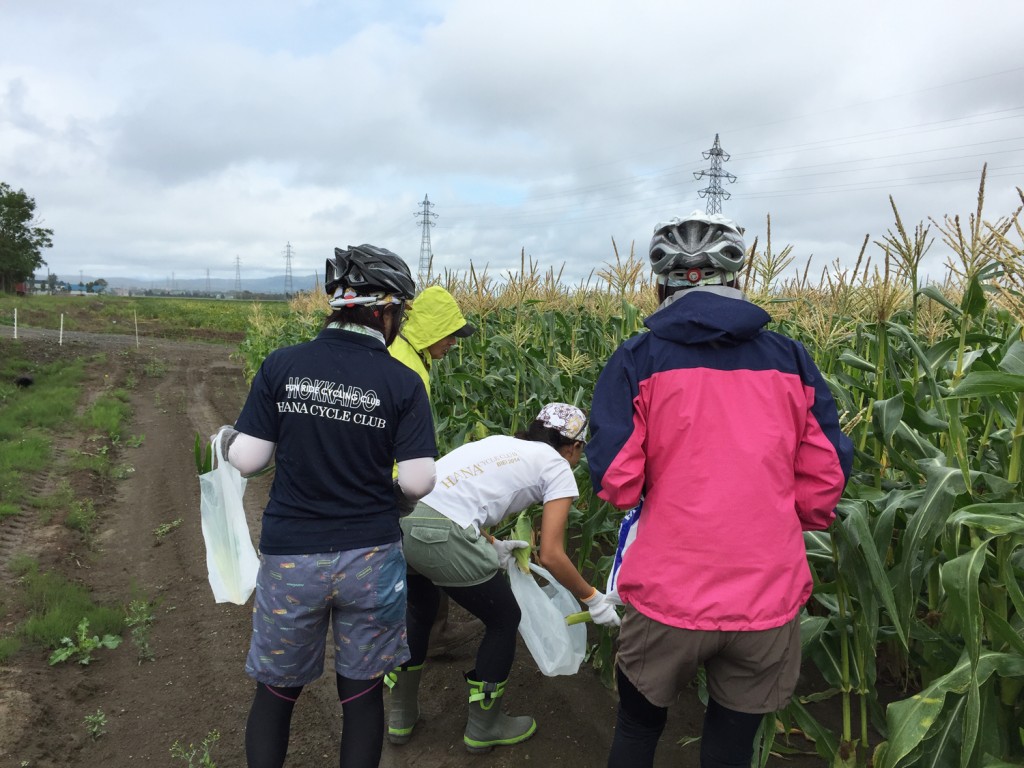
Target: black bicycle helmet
696,247
365,274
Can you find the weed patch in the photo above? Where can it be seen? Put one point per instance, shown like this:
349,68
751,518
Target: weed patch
108,413
82,518
83,645
122,472
155,368
165,528
197,757
57,606
96,724
139,618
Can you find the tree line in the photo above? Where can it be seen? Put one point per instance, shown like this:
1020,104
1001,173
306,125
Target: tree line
22,240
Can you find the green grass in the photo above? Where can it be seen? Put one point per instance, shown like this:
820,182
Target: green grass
29,453
11,487
108,413
21,565
56,606
200,319
8,647
19,456
50,606
47,404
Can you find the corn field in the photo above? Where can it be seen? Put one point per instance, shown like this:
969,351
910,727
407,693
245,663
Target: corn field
918,582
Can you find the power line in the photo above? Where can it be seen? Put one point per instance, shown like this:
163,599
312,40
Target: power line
659,187
630,182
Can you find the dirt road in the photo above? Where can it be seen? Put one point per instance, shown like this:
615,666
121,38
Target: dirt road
196,684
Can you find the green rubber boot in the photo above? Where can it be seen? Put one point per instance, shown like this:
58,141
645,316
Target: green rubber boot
488,726
404,683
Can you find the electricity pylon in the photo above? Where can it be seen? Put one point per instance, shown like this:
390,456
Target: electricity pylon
713,191
426,255
288,270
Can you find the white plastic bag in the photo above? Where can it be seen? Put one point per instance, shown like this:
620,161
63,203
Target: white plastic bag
557,648
231,559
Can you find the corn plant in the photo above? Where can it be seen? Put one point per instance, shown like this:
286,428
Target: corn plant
918,581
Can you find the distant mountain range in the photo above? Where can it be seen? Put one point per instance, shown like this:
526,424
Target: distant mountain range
216,285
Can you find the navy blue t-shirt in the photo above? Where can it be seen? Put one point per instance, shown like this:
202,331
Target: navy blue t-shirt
341,411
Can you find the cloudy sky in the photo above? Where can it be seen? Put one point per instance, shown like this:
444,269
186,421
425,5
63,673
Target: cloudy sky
178,140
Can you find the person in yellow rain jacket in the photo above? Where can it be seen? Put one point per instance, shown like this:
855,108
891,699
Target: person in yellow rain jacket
433,325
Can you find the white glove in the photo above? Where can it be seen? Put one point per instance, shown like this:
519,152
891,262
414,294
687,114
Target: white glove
505,549
602,611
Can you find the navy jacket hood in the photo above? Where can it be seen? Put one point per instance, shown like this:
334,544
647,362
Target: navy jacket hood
702,316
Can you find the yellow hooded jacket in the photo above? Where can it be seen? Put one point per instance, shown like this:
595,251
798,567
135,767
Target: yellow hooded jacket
432,315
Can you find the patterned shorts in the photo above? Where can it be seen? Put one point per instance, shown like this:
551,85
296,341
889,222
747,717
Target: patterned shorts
359,593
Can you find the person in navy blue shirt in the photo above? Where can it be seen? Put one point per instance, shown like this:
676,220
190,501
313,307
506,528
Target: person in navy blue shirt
336,412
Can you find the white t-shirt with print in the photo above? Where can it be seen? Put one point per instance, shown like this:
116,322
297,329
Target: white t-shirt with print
483,482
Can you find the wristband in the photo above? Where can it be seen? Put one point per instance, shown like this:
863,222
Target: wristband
226,444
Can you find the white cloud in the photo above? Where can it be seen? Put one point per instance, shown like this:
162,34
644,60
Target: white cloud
172,137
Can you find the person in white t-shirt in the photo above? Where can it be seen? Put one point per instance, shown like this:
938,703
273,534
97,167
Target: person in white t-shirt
479,485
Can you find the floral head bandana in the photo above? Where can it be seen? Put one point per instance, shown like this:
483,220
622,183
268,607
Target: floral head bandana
567,419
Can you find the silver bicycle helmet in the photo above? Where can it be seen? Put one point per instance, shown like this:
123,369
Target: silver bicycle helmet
366,274
696,248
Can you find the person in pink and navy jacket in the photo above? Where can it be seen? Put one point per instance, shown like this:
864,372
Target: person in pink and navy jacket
729,436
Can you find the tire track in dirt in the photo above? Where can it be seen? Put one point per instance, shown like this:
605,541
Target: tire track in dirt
12,537
198,645
18,533
195,684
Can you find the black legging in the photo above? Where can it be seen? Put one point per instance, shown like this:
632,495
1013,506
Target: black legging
727,740
362,736
492,602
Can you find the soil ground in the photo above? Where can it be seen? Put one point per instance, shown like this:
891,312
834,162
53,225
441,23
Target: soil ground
196,683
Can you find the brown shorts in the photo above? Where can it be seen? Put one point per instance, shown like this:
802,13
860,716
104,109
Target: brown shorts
753,672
